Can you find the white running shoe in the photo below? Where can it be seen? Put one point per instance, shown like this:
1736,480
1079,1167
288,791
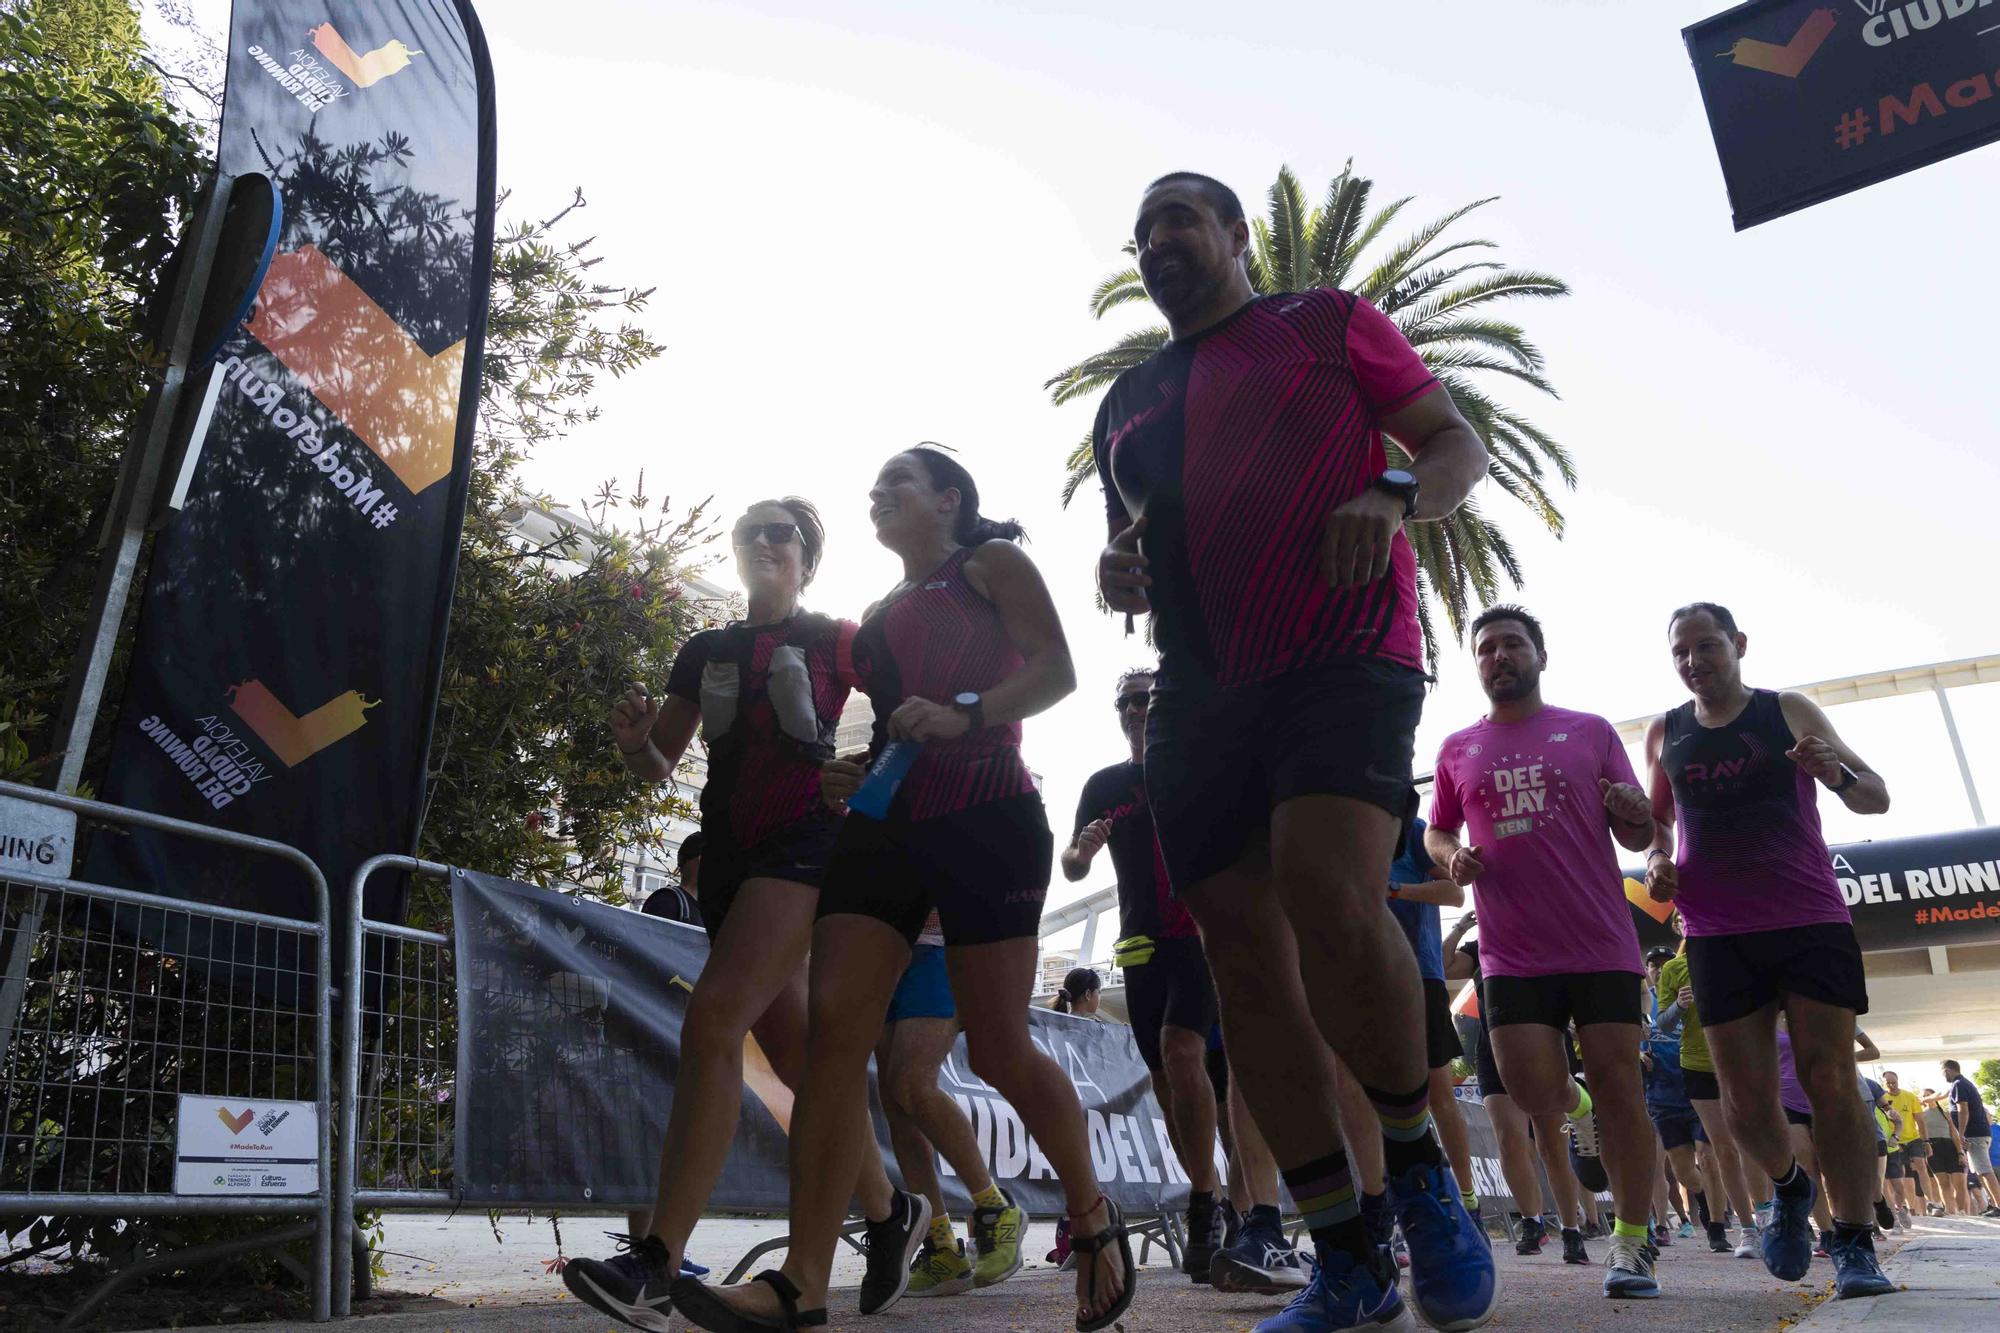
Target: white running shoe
1747,1245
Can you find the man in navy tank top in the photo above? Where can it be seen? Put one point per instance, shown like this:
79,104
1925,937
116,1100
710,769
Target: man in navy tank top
1255,511
1740,769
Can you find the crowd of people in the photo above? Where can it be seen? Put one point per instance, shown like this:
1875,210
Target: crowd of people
1280,900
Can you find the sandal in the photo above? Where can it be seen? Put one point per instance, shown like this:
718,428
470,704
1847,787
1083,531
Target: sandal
1089,1246
705,1309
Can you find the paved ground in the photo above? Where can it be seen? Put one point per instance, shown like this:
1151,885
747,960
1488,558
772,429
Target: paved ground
470,1284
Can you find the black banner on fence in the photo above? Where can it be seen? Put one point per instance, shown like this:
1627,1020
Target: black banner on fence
1903,893
1809,99
292,630
569,1050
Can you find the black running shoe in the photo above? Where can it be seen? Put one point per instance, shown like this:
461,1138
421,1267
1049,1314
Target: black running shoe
1718,1237
1204,1235
1573,1251
632,1286
891,1245
1533,1236
1885,1216
1232,1224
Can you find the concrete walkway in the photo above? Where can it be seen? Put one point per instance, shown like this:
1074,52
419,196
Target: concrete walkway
1951,1269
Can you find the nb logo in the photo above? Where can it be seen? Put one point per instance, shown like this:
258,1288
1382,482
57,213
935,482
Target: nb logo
1558,737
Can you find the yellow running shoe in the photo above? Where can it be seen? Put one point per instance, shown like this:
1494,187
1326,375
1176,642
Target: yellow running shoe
940,1272
996,1234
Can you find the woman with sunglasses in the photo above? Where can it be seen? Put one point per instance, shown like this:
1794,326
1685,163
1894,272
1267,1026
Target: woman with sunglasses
956,655
767,693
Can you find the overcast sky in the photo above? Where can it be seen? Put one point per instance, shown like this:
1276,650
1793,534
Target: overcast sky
875,223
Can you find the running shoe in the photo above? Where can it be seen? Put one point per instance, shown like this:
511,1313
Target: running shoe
937,1271
1663,1236
1261,1262
1399,1251
1934,1209
1344,1294
1718,1237
689,1268
1379,1219
1204,1234
1787,1243
996,1241
1534,1235
891,1246
1452,1278
1991,1212
1232,1225
1628,1272
1856,1271
1749,1243
1819,1246
1573,1251
1059,1256
1885,1216
632,1286
1687,1228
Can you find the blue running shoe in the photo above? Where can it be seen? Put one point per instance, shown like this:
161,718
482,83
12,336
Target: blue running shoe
1856,1271
1452,1278
1787,1240
1628,1273
689,1268
1342,1294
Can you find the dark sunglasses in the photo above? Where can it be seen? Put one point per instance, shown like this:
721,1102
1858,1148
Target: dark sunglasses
1128,703
777,534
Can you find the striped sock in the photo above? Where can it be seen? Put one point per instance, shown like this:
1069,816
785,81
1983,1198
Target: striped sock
1409,1138
1323,1189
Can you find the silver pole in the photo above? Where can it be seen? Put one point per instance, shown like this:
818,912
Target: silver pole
1958,752
124,531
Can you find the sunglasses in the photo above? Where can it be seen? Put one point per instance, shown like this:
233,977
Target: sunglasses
1130,703
777,534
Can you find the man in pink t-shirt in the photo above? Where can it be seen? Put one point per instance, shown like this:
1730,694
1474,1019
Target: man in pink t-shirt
1541,792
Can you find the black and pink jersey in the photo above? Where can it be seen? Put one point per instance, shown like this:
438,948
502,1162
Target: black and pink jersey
1235,444
771,698
1147,908
937,641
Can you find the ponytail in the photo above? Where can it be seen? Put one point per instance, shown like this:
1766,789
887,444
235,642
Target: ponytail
1080,982
947,473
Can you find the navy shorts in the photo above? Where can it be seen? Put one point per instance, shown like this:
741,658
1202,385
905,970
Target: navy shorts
1677,1125
1441,1045
1219,761
797,853
925,990
985,869
1736,975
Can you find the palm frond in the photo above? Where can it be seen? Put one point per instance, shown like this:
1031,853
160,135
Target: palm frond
1079,467
1288,230
1098,370
1465,358
1336,223
1422,284
1497,335
1369,235
1412,250
1121,288
1512,282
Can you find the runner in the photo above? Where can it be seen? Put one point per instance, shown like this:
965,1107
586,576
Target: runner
1947,1154
767,693
1666,1092
1542,791
1259,1259
1968,1113
680,902
1767,927
916,1037
953,659
1909,1160
1168,992
1081,993
1254,511
1726,1182
1522,1138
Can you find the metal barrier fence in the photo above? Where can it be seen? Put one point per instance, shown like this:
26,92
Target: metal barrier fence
105,1022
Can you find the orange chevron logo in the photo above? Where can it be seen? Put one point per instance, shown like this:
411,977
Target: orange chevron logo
353,357
292,738
1787,60
235,1122
392,57
1635,894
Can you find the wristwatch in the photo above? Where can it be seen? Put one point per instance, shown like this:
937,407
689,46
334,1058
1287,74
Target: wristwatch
1399,483
1848,777
974,709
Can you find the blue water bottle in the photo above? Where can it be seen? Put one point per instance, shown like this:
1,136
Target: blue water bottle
878,789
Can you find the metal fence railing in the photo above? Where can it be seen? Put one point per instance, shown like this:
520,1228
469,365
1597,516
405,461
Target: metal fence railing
115,1002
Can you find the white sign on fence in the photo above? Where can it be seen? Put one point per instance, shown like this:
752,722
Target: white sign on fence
226,1146
35,839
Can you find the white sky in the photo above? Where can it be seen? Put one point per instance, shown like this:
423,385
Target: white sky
871,223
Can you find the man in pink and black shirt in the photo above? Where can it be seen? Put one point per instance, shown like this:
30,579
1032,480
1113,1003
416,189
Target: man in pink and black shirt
1256,512
1540,793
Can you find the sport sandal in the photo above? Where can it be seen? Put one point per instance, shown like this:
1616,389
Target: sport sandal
1114,1233
703,1308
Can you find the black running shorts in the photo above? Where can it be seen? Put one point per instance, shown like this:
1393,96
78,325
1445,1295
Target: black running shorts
1441,1044
1734,976
984,868
1700,1085
797,853
1487,1067
1803,1119
1173,986
1556,1001
1945,1158
1219,761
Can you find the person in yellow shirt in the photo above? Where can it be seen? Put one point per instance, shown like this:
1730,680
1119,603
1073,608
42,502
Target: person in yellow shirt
1909,1156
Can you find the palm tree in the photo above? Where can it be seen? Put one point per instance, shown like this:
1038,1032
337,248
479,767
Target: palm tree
1436,304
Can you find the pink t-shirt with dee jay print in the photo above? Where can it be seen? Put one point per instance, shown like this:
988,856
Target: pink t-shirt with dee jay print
1551,899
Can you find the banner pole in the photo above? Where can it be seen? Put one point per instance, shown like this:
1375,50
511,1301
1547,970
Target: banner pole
125,523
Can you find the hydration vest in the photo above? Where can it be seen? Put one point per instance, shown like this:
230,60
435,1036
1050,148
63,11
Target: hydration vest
787,682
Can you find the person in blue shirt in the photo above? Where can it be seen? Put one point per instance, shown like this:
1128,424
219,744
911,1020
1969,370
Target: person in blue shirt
1417,889
1667,1100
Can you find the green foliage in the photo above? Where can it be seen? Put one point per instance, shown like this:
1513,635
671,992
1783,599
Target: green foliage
1439,307
1987,1076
